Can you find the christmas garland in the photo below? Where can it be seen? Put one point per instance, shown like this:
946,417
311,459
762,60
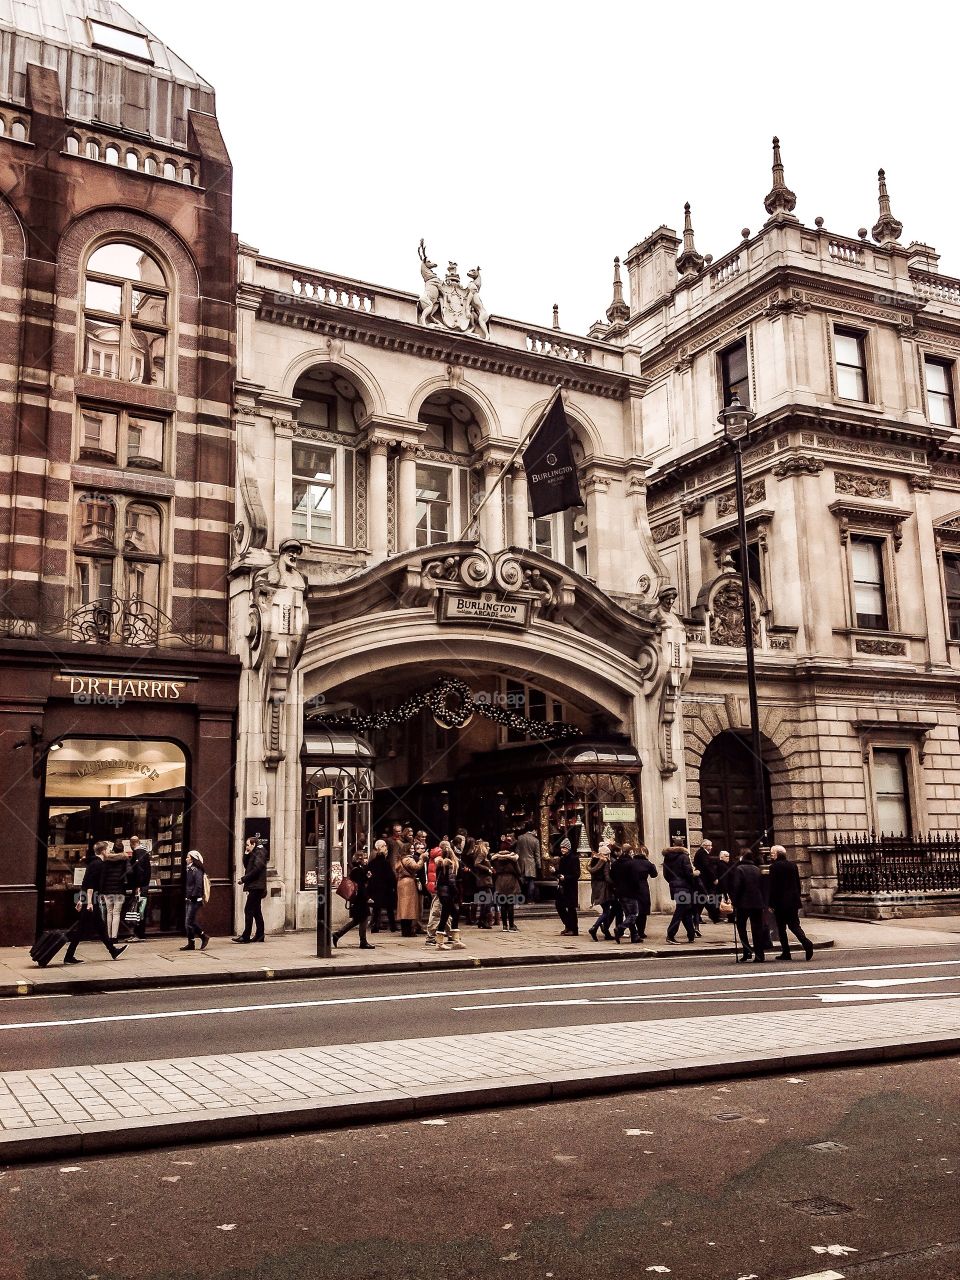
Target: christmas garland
452,704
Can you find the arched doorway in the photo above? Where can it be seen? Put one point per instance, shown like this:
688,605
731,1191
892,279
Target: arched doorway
730,815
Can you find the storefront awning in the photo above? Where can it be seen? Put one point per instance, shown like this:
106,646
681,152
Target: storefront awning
322,746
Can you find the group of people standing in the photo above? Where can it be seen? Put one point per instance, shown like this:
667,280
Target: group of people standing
429,890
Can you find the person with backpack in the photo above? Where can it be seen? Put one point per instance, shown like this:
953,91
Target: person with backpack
196,893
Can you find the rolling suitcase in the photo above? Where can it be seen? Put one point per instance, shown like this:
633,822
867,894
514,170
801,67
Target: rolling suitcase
47,946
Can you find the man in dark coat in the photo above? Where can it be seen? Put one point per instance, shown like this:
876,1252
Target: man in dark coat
745,886
626,880
682,881
527,850
646,872
707,888
568,876
90,924
786,900
254,880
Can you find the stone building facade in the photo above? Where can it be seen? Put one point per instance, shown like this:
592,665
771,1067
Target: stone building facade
117,348
845,349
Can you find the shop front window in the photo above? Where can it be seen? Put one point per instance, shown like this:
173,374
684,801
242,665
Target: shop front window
113,789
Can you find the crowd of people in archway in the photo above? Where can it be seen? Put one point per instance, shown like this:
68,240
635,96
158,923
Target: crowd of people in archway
433,891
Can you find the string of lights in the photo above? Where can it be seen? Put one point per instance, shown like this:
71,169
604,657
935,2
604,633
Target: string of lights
452,703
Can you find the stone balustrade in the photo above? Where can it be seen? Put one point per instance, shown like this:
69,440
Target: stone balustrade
727,269
14,123
559,348
334,293
846,251
142,157
935,288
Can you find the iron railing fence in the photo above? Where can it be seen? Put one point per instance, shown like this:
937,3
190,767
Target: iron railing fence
871,863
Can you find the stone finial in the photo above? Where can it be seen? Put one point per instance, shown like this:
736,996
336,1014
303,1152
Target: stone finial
689,263
618,311
556,315
887,229
780,202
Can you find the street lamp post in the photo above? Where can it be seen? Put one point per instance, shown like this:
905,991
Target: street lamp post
736,420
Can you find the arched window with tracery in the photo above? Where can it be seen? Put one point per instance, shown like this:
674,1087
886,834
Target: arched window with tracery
126,315
118,550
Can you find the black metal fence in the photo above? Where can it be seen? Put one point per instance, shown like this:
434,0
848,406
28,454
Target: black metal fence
897,864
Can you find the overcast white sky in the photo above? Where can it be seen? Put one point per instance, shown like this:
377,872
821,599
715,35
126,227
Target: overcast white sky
539,140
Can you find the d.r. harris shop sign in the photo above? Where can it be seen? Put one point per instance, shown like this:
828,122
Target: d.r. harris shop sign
105,688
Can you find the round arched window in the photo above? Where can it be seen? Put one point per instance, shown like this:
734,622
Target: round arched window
126,315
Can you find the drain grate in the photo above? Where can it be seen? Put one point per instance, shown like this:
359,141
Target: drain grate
819,1207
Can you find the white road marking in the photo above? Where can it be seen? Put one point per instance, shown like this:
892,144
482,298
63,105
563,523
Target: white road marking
820,1275
402,997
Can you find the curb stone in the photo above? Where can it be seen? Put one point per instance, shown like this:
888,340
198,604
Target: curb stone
87,986
100,1137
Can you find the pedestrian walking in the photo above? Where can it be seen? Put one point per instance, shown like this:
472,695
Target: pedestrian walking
602,892
448,892
707,888
682,881
358,908
483,872
383,883
645,872
139,884
113,886
90,924
746,893
527,849
786,899
254,881
466,877
507,886
408,892
568,876
195,894
627,881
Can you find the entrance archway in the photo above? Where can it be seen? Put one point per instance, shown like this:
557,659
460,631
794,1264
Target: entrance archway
730,814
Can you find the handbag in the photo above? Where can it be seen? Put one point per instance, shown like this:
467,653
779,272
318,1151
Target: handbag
134,914
725,908
346,889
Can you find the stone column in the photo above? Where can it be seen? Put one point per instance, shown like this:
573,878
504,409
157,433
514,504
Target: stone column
601,537
519,508
934,620
491,517
283,428
377,530
407,499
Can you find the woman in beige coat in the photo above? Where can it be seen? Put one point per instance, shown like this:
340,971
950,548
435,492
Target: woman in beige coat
408,891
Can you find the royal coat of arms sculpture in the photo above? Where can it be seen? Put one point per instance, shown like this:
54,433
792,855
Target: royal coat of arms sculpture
450,304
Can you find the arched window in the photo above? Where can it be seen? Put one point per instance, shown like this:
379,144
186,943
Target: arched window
451,431
19,131
93,149
118,548
73,144
112,155
150,164
132,160
169,169
125,323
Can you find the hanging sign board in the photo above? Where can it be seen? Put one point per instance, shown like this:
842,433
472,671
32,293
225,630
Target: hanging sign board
484,606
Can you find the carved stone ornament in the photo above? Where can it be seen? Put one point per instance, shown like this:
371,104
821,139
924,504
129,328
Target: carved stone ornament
726,616
754,491
665,531
882,648
478,571
800,464
861,486
692,507
277,634
450,304
920,484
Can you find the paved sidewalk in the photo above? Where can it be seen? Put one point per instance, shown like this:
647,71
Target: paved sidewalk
160,962
69,1111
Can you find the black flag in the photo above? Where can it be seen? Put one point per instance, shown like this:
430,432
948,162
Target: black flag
548,461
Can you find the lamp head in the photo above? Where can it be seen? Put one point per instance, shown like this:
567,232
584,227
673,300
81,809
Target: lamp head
736,419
